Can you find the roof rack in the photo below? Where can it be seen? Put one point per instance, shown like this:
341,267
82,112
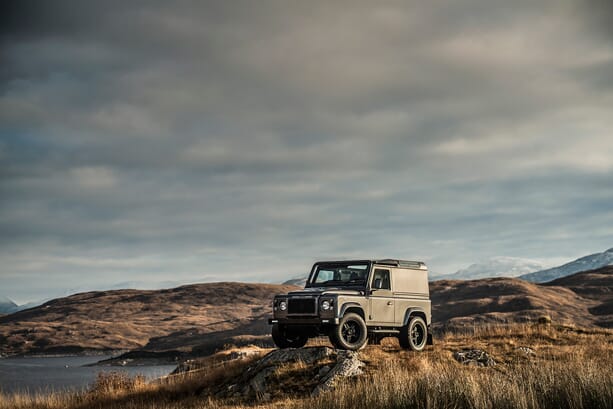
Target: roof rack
386,261
401,263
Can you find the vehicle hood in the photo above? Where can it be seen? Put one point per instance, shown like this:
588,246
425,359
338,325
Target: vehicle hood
316,291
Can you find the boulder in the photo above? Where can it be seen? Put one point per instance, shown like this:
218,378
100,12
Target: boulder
322,367
347,365
474,357
526,351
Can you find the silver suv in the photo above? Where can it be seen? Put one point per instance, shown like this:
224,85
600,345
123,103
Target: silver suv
357,301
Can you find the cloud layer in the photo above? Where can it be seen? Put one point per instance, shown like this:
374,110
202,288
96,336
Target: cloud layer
244,140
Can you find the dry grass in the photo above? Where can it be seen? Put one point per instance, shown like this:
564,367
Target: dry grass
571,368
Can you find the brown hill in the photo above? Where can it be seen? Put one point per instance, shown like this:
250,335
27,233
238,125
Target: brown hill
595,285
583,299
201,316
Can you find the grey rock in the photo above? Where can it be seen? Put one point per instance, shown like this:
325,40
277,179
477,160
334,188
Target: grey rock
323,371
258,383
475,357
526,350
347,365
255,382
184,367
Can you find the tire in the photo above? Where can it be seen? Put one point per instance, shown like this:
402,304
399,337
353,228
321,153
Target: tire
286,339
351,333
414,335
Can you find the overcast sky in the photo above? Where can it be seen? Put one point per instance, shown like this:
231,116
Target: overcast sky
207,141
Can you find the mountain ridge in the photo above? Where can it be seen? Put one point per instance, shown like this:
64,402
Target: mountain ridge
585,263
7,305
500,266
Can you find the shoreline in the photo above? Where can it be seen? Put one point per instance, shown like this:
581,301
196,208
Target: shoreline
116,358
92,353
145,358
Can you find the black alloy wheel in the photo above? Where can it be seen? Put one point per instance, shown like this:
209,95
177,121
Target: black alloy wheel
351,333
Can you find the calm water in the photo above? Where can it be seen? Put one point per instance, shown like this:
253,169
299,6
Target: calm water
34,375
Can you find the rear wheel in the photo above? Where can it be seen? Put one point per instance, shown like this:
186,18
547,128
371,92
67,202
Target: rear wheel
414,335
285,338
350,333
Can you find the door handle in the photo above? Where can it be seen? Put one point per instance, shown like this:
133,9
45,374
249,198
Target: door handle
390,302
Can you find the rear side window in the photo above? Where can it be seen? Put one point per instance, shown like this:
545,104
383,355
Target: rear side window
381,279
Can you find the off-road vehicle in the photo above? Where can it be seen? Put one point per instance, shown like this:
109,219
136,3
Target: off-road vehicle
354,302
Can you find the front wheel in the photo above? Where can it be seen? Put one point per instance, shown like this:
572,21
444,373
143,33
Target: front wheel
284,338
414,335
350,333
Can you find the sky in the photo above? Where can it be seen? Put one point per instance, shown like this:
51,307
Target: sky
198,141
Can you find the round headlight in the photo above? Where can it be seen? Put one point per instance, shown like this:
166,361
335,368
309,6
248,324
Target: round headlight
325,305
283,305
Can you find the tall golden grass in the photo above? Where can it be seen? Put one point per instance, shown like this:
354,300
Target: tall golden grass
555,384
570,368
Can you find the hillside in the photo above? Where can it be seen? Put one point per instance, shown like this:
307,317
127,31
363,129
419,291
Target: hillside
596,285
458,303
587,263
201,316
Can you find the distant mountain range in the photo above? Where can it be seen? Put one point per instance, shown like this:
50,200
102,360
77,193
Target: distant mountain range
299,281
591,262
494,267
7,305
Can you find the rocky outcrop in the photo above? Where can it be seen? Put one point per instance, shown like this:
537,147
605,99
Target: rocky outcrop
315,369
474,357
347,365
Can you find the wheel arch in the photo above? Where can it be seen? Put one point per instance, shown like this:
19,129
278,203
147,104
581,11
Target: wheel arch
415,312
352,307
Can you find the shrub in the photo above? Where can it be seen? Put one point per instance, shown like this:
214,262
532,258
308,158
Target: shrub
107,383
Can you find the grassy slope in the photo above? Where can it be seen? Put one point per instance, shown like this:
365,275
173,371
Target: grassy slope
571,368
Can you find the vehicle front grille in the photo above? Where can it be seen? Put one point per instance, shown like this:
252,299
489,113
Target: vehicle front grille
301,306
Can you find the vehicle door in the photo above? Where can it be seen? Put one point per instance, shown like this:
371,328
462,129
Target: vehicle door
382,310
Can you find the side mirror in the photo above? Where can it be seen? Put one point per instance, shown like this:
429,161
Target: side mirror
378,283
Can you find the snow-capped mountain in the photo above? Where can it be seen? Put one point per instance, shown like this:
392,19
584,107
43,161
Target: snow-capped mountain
7,305
494,267
299,281
591,262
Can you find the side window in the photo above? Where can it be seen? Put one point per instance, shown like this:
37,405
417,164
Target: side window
381,279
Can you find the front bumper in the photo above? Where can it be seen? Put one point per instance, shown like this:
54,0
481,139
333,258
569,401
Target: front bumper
304,321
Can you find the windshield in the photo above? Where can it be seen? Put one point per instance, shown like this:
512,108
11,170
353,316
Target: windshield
338,274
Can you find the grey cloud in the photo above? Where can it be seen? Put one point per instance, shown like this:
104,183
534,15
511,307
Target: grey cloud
202,136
